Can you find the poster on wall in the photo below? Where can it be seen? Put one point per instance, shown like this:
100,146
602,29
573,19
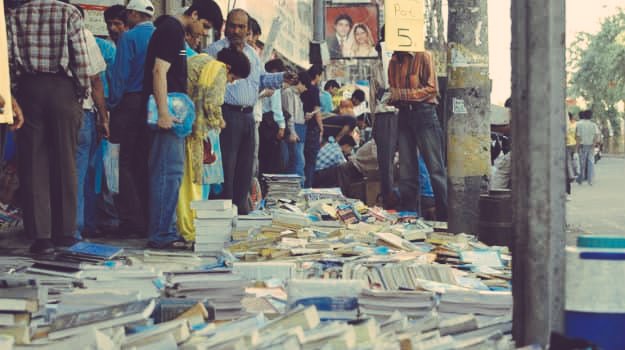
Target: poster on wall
352,31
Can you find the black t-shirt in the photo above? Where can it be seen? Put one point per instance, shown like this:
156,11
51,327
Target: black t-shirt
310,99
168,44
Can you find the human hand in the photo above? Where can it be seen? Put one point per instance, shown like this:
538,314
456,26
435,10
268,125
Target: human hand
395,95
266,93
166,121
103,125
280,135
293,138
18,115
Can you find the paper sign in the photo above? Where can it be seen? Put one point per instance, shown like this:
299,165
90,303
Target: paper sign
405,22
458,106
6,116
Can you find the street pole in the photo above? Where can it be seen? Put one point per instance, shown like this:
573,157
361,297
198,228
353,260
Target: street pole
468,106
319,20
538,153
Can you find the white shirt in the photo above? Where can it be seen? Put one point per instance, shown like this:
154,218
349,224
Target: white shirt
96,65
587,131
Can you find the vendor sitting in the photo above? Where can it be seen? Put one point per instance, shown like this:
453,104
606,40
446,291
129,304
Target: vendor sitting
345,122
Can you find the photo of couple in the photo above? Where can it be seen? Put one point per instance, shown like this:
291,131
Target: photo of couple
351,31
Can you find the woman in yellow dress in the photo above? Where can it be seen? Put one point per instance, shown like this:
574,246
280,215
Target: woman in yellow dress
206,81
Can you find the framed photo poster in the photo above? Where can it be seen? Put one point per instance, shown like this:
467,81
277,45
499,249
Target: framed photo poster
352,31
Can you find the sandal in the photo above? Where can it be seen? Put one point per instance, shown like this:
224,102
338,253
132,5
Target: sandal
179,244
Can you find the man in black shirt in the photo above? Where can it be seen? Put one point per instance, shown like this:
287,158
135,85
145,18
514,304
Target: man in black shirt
165,72
314,127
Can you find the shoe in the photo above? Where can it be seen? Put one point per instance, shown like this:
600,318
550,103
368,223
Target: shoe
179,244
42,247
65,241
568,197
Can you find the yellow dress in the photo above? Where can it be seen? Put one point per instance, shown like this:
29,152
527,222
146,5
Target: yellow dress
206,83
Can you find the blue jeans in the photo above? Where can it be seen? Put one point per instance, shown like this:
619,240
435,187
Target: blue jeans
419,130
166,166
586,164
85,151
295,151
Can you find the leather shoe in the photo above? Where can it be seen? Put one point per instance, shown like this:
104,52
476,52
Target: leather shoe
42,246
65,241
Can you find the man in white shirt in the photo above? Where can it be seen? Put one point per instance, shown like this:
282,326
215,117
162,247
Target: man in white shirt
588,135
94,126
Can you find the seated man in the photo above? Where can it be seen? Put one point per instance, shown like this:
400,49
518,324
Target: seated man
345,122
363,164
333,154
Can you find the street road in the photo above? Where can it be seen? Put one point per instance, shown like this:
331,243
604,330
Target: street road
600,209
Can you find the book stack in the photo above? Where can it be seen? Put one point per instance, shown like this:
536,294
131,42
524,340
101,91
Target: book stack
466,301
382,304
247,225
281,187
71,262
396,276
214,224
20,300
223,289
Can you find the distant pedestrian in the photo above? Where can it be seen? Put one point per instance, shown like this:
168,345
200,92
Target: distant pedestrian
314,124
588,136
572,161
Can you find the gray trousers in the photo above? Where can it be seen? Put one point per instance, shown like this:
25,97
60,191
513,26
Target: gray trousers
385,136
46,147
237,150
420,130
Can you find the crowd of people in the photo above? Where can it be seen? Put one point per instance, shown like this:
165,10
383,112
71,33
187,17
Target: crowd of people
250,119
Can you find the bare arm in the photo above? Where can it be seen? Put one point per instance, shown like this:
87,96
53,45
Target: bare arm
161,67
97,94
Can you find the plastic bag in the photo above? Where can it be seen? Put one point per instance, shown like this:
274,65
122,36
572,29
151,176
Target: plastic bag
111,165
180,107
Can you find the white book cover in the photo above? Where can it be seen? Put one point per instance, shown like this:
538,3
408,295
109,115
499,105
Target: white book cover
213,204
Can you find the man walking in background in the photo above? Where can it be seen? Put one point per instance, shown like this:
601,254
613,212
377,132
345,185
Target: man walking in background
43,36
588,136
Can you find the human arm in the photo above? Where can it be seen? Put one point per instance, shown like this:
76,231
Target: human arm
278,116
97,94
426,90
161,67
18,115
271,80
289,104
78,51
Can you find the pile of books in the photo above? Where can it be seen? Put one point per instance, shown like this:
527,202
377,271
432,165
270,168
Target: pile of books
248,225
382,304
20,301
281,187
466,301
223,289
214,224
72,262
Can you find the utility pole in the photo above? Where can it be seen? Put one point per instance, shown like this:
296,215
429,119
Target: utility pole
538,153
319,20
468,106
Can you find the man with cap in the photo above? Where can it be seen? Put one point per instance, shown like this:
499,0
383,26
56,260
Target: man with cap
128,124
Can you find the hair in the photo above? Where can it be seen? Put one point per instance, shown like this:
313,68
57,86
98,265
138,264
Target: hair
254,27
331,84
237,60
314,71
237,10
508,103
208,10
304,78
381,38
587,114
359,95
275,65
347,140
116,12
80,9
344,16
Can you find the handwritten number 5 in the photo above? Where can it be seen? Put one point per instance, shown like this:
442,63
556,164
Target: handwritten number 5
407,40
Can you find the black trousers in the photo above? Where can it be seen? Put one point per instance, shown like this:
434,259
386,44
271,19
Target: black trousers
386,140
129,129
338,176
269,159
237,151
46,147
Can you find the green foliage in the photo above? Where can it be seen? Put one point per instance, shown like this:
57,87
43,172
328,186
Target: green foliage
597,66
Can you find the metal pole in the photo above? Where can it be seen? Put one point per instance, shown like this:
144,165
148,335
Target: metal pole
538,151
319,20
468,106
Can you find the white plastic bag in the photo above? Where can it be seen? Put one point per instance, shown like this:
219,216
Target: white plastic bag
111,165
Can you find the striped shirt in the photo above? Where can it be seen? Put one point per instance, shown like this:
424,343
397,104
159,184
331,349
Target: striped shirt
244,92
46,36
413,76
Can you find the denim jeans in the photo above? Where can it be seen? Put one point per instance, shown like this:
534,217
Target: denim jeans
295,151
586,164
311,149
419,129
85,151
165,166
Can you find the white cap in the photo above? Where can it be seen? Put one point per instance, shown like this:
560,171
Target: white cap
143,6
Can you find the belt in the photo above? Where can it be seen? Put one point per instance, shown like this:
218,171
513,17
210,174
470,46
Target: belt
242,109
415,106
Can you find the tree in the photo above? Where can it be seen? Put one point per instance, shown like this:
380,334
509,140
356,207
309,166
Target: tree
596,64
